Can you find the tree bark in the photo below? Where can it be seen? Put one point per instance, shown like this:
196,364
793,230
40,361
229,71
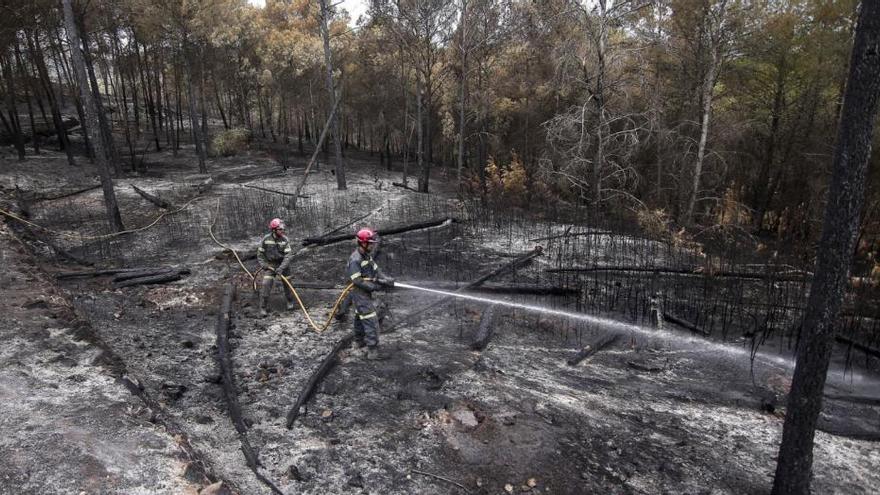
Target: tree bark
91,109
112,153
462,120
331,89
51,95
15,125
27,96
708,88
845,197
193,116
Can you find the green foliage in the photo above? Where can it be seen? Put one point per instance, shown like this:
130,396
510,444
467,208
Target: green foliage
507,184
230,142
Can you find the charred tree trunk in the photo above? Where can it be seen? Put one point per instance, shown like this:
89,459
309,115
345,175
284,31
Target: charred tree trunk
113,217
110,149
845,197
35,140
14,124
193,116
331,89
54,103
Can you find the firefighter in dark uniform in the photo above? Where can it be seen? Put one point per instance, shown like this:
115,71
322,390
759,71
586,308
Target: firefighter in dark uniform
364,273
274,256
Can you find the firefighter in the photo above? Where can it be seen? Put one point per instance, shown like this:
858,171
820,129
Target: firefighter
364,273
274,256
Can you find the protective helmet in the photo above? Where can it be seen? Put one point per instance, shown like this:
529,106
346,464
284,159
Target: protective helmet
276,224
365,236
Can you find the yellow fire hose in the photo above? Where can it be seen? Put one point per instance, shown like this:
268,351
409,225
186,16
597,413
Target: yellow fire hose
253,276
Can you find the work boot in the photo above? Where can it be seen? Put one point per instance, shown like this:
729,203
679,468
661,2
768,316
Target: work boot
263,312
374,354
291,305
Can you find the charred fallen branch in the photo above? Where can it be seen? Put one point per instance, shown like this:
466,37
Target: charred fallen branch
770,276
507,267
323,241
203,466
151,278
567,233
855,399
67,194
330,360
540,290
685,324
348,224
404,186
101,273
146,272
65,254
156,200
274,191
646,366
224,319
593,348
249,177
312,384
484,331
856,345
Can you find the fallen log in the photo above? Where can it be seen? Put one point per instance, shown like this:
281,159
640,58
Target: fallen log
484,331
65,254
315,379
249,177
855,399
541,290
685,324
224,319
646,366
683,272
323,241
100,273
149,272
510,266
593,348
156,200
161,278
569,234
856,345
161,417
330,360
273,191
67,194
403,186
337,229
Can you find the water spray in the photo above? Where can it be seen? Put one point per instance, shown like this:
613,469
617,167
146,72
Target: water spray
608,323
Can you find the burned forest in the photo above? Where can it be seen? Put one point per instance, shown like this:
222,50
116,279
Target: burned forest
439,247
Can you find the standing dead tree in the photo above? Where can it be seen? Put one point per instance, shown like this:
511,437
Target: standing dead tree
334,94
594,142
92,126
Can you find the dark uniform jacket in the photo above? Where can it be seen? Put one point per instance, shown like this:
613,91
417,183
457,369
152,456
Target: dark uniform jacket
363,272
274,252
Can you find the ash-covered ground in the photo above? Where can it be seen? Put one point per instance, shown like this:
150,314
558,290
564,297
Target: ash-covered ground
657,412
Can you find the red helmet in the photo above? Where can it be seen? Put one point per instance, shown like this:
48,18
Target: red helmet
276,224
366,236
